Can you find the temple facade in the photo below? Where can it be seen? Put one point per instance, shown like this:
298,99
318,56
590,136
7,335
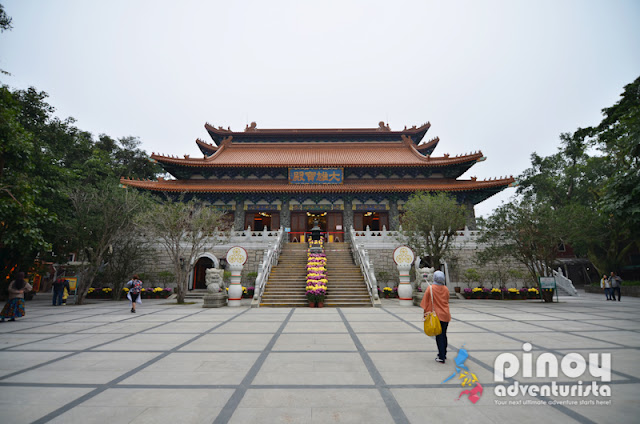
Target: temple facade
272,178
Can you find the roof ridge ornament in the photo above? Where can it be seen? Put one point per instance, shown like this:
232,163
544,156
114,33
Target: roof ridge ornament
383,127
252,127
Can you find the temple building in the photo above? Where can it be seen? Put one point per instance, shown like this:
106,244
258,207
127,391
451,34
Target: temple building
271,178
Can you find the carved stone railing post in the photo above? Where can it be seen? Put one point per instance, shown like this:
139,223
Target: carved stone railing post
236,258
403,257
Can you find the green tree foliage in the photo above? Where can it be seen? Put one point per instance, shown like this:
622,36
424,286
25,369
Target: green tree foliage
529,232
618,137
430,221
43,160
22,218
5,20
593,184
184,229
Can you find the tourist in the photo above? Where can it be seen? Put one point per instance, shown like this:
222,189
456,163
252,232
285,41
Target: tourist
59,287
441,306
606,285
135,288
615,283
14,307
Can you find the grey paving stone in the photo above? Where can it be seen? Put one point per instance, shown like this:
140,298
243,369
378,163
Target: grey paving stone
313,369
172,363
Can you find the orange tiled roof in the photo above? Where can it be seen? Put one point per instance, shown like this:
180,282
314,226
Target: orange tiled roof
349,186
206,147
414,130
431,144
374,154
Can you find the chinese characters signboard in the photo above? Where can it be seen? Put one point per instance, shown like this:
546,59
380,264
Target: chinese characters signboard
315,175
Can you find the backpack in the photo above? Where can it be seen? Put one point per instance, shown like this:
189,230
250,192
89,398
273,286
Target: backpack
136,286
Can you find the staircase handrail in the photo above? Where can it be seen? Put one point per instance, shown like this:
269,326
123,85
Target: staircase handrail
361,257
564,283
270,258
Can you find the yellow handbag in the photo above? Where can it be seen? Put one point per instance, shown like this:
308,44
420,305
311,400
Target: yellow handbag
432,325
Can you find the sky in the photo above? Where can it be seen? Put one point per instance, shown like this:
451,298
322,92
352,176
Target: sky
506,77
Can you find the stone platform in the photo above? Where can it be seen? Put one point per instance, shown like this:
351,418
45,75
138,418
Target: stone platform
99,363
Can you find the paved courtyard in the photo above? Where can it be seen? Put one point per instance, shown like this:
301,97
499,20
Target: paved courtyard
99,363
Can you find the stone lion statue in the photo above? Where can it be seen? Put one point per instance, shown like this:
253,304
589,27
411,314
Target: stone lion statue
213,279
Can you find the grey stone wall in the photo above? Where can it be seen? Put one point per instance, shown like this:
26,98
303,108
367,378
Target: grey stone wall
463,258
161,262
382,260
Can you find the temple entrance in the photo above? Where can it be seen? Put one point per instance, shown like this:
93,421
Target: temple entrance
321,217
260,220
330,224
200,272
375,220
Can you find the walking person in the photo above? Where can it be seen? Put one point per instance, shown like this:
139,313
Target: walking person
59,287
606,285
615,282
441,306
135,287
14,308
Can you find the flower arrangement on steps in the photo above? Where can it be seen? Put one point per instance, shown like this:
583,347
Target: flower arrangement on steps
316,275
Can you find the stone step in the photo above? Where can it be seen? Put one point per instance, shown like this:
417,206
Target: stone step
285,287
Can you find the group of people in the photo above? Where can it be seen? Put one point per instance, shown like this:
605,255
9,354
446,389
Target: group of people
611,286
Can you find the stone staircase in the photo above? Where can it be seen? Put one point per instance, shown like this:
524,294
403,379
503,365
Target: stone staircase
346,286
287,281
194,295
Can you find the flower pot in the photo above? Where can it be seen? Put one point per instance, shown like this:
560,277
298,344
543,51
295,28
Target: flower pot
320,304
312,304
547,296
456,289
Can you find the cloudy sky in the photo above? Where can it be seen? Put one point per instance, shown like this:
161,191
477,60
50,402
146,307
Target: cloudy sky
504,77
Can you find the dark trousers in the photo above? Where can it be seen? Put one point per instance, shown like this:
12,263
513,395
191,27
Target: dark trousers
57,297
615,290
608,291
441,341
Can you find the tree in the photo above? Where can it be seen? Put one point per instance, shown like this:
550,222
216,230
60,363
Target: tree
526,231
429,223
596,194
128,254
22,219
618,137
183,229
5,20
100,216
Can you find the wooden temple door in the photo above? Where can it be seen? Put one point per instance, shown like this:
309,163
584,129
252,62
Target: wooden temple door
358,221
298,225
275,221
335,229
384,220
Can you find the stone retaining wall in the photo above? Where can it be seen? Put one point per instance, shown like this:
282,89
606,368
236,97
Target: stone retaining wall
464,258
632,291
161,262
